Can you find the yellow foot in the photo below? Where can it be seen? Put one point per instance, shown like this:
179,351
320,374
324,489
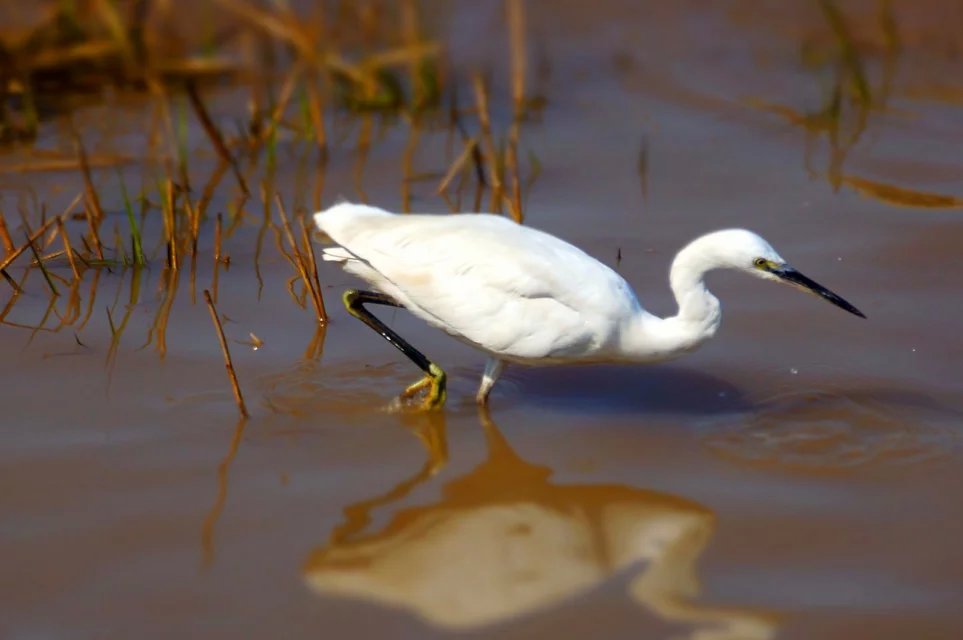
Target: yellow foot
435,395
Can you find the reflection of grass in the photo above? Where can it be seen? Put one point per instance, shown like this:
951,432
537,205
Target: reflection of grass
861,74
853,75
116,332
851,96
214,514
901,196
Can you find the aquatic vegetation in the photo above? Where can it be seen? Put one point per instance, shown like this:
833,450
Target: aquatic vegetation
366,68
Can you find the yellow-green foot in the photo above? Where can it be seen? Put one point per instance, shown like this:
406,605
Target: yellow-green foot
434,383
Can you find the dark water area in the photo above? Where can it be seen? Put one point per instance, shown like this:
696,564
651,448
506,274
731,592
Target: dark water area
799,476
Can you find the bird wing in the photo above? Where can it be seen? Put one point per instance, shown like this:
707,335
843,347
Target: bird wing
509,289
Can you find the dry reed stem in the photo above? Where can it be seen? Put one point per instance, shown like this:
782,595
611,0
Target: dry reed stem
361,161
481,103
47,257
296,256
399,56
192,279
286,27
407,160
43,268
457,166
163,124
67,248
93,212
318,190
8,245
64,164
516,30
28,244
171,224
301,264
59,57
317,114
238,398
410,34
214,134
17,290
218,224
70,207
268,224
316,290
270,23
195,220
478,162
194,217
284,98
511,164
207,194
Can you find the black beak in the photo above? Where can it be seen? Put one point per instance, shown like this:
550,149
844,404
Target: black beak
793,277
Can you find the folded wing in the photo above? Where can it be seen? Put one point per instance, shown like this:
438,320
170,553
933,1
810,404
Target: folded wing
508,289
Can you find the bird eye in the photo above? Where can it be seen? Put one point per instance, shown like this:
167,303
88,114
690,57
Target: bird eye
760,262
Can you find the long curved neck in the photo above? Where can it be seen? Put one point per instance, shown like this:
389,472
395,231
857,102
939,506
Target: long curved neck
698,316
697,307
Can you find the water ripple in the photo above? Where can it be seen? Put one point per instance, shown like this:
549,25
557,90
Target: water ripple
830,430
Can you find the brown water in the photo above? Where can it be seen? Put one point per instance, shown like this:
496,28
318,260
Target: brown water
801,476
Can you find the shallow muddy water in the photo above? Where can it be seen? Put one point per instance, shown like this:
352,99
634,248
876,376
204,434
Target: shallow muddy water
800,476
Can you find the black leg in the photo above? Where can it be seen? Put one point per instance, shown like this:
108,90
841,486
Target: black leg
354,302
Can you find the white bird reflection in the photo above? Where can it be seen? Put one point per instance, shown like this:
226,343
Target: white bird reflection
503,541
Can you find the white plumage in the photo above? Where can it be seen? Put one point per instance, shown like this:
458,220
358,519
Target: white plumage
522,295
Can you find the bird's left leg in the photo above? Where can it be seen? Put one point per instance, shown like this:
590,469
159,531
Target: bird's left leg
435,377
493,369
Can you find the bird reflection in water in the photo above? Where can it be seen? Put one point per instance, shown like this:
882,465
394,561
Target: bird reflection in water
504,541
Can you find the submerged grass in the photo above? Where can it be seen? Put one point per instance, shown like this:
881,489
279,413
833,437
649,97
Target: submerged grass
860,79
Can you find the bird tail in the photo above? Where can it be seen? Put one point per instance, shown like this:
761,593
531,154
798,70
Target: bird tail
336,254
339,216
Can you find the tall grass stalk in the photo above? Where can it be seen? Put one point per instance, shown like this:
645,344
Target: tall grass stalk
136,246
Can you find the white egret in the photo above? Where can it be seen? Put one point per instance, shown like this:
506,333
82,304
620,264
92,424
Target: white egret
524,296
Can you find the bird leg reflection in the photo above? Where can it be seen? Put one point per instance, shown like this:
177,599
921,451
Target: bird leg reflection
358,516
504,541
435,378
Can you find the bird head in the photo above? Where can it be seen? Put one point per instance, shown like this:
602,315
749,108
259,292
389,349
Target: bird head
746,251
755,256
